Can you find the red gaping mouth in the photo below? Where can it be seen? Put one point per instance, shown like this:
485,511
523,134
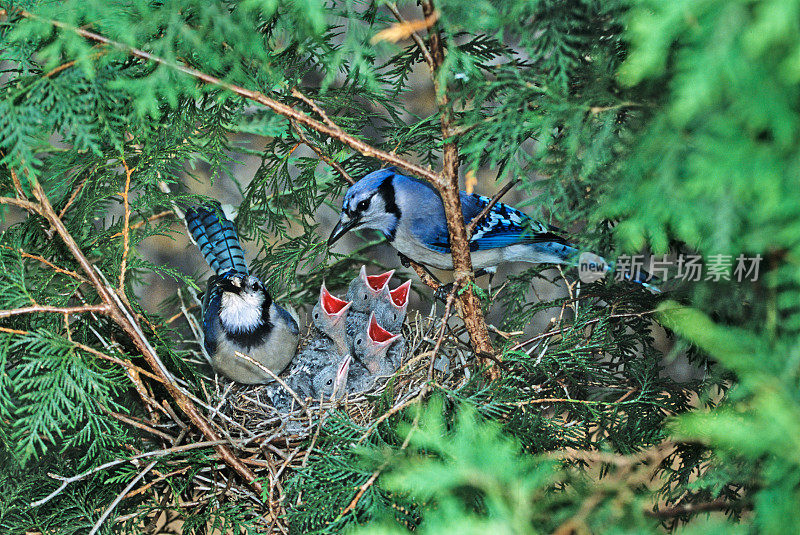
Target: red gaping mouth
377,282
400,294
377,333
331,304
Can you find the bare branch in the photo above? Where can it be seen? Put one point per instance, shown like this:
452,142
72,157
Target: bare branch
125,227
103,309
27,205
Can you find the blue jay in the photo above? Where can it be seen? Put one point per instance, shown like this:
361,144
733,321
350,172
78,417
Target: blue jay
238,312
410,213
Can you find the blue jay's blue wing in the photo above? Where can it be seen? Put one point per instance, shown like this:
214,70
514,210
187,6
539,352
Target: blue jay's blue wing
216,238
502,226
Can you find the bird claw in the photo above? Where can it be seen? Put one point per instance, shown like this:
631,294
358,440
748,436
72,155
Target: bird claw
404,260
443,291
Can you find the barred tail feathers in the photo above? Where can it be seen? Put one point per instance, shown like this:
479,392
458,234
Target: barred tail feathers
216,238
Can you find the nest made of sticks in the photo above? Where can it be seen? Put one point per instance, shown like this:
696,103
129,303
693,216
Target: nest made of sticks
249,410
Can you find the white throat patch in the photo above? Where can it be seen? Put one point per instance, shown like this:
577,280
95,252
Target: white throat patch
241,312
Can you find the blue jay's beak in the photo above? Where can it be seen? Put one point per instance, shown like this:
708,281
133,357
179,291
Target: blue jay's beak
341,229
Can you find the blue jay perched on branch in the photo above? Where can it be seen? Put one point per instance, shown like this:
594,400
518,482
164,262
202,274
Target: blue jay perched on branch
411,214
238,312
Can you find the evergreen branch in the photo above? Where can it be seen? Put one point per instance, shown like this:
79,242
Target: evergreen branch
72,196
372,478
588,322
122,317
475,220
124,363
103,309
46,262
140,224
328,160
328,127
314,106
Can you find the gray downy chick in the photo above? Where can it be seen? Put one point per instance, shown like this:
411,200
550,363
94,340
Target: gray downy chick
391,310
365,290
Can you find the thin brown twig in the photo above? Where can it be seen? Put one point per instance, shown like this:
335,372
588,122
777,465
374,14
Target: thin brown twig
125,228
440,338
155,453
325,158
426,54
368,483
143,222
296,93
27,205
139,425
72,197
46,262
103,309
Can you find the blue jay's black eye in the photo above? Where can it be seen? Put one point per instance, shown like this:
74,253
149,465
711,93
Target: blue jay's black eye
363,205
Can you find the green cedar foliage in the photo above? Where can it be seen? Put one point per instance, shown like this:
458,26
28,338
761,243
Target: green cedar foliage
667,125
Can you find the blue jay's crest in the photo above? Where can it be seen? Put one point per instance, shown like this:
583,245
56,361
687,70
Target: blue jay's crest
216,238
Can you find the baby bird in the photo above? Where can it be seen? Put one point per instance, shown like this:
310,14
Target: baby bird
238,312
371,346
391,311
331,381
329,316
365,290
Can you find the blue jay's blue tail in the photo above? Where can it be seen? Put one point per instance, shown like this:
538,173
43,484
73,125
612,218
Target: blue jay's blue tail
216,238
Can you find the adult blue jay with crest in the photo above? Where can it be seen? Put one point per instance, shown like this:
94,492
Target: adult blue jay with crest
410,213
239,315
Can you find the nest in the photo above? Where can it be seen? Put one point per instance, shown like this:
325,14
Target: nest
273,445
249,407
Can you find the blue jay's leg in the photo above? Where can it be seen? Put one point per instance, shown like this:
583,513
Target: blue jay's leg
406,262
